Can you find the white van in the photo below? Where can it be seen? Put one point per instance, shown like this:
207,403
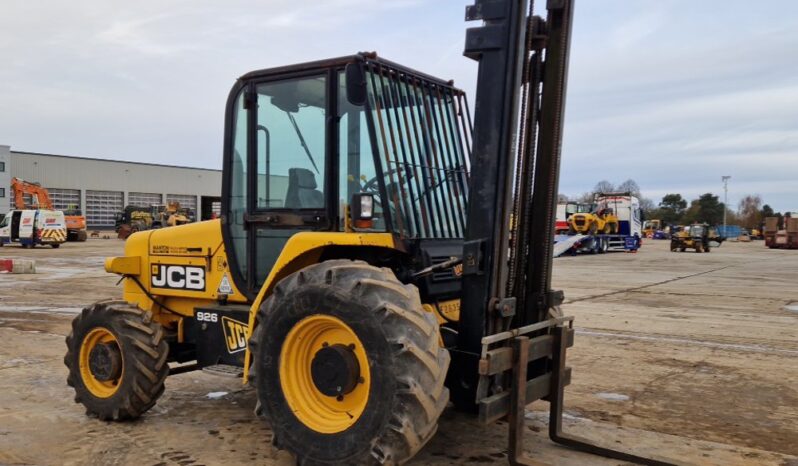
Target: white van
32,227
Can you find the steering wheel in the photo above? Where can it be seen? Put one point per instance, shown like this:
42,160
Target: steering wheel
370,186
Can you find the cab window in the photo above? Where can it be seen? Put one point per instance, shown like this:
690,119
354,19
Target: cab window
291,132
357,171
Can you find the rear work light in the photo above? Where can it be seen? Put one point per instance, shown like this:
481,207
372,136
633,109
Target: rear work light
362,210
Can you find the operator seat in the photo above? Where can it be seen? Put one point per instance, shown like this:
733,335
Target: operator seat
302,192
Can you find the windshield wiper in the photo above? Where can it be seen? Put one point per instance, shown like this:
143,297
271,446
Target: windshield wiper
302,140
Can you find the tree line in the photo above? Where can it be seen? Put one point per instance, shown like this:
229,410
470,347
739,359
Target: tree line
675,209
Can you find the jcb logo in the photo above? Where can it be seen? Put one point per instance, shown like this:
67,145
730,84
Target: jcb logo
235,335
178,277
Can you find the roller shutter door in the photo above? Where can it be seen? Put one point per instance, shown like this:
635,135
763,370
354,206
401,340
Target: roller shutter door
102,207
186,201
64,199
144,199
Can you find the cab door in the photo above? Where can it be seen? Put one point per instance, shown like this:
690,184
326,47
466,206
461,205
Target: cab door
278,170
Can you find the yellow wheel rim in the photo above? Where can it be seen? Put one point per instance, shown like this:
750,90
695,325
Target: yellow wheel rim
320,412
97,387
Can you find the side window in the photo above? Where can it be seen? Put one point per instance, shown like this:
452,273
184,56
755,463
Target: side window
291,131
238,183
357,171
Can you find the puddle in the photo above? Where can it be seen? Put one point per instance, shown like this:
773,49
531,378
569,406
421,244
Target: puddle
792,307
613,396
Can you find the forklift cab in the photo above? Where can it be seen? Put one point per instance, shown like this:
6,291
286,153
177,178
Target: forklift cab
355,144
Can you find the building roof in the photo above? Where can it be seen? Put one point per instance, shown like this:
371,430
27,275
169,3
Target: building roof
20,152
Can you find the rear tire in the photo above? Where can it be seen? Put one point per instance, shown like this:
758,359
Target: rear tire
405,394
125,389
55,245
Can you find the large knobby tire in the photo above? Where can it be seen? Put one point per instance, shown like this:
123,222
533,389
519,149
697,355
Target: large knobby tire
401,393
116,356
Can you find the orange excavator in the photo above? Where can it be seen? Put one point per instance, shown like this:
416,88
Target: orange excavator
29,195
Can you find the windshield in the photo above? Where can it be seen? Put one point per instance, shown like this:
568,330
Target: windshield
422,135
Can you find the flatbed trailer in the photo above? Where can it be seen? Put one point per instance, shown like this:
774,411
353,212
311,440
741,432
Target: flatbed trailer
595,244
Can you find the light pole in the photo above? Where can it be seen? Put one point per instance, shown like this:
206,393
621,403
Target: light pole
725,179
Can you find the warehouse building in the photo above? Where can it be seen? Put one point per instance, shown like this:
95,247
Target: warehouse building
104,187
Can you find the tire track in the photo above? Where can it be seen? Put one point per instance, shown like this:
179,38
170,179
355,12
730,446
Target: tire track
642,287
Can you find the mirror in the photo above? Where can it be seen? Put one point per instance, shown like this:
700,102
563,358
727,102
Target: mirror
355,84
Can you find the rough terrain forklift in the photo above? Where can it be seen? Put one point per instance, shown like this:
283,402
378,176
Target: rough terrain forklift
696,236
365,271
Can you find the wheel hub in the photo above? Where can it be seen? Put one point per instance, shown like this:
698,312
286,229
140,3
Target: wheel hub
105,362
335,370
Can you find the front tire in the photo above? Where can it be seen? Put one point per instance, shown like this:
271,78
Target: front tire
116,356
389,378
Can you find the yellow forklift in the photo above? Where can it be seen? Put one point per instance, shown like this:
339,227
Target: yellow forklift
365,270
696,236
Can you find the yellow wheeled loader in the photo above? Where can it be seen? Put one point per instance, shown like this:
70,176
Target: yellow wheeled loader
362,275
596,221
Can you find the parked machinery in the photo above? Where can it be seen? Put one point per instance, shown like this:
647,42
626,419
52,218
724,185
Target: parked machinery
784,236
136,218
651,227
598,219
33,196
696,236
170,215
133,219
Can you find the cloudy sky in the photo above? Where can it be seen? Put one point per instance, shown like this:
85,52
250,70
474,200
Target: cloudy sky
673,94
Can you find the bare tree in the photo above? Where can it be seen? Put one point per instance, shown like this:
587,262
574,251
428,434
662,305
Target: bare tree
585,198
604,186
630,186
749,211
647,205
562,198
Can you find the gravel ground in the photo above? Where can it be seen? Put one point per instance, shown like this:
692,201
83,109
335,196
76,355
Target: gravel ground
692,357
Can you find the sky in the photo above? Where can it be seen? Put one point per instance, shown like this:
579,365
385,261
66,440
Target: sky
671,93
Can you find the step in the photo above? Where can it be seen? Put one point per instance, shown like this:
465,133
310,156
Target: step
225,370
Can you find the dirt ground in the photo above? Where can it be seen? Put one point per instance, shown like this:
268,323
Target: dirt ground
685,356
